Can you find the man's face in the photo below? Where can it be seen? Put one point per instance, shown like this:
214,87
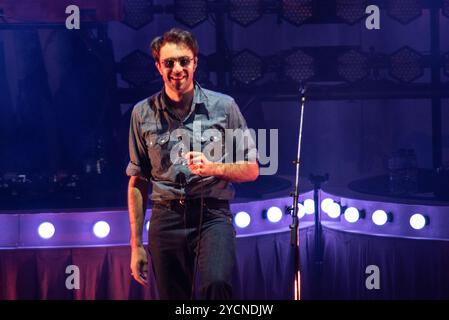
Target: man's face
177,66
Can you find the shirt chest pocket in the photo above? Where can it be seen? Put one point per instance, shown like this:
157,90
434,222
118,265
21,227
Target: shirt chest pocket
158,149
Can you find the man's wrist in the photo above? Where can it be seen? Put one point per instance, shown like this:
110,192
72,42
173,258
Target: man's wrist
136,244
219,170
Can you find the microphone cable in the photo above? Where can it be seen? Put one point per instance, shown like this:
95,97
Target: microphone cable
197,254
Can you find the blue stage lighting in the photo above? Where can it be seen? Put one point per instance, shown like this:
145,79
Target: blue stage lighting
242,219
379,217
330,207
334,211
301,210
326,204
274,214
309,206
101,229
418,221
352,214
46,230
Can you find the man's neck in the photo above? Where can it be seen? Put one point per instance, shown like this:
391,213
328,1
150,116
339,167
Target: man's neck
178,101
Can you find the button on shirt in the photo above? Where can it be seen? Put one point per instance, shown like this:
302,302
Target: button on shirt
158,139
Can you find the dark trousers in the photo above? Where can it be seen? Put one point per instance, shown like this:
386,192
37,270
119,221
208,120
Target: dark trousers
173,246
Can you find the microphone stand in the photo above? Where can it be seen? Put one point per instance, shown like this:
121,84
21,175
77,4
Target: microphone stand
317,181
294,210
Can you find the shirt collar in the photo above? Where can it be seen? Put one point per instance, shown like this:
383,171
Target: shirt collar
199,96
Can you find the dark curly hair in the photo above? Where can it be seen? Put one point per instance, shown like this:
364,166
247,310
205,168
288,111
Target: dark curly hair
177,36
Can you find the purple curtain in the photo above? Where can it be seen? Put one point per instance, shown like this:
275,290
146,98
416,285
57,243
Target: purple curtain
408,269
263,271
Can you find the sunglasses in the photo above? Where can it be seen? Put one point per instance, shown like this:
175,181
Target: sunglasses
170,62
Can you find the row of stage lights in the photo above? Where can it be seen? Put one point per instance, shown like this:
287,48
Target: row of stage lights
191,13
405,65
379,217
242,219
333,210
100,229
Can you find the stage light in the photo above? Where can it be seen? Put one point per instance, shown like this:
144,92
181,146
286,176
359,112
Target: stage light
191,12
406,65
138,69
301,211
246,67
137,13
242,219
446,8
299,66
418,221
326,204
330,207
352,214
309,206
297,11
351,11
334,210
244,12
46,230
446,64
274,214
380,217
101,229
404,11
352,66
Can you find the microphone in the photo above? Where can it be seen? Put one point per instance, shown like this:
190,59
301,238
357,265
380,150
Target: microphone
181,179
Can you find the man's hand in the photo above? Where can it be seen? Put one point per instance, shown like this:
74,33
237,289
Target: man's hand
200,165
139,265
241,171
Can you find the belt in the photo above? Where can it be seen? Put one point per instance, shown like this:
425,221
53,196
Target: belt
208,202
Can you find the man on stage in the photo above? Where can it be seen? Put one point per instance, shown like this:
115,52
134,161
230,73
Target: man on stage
191,231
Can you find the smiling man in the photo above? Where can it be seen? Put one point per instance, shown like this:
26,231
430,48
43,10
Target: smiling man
191,229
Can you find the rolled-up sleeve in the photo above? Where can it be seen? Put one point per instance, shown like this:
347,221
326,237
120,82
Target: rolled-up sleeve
139,164
244,138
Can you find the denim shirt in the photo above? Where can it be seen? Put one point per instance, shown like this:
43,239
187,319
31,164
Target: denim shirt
155,132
